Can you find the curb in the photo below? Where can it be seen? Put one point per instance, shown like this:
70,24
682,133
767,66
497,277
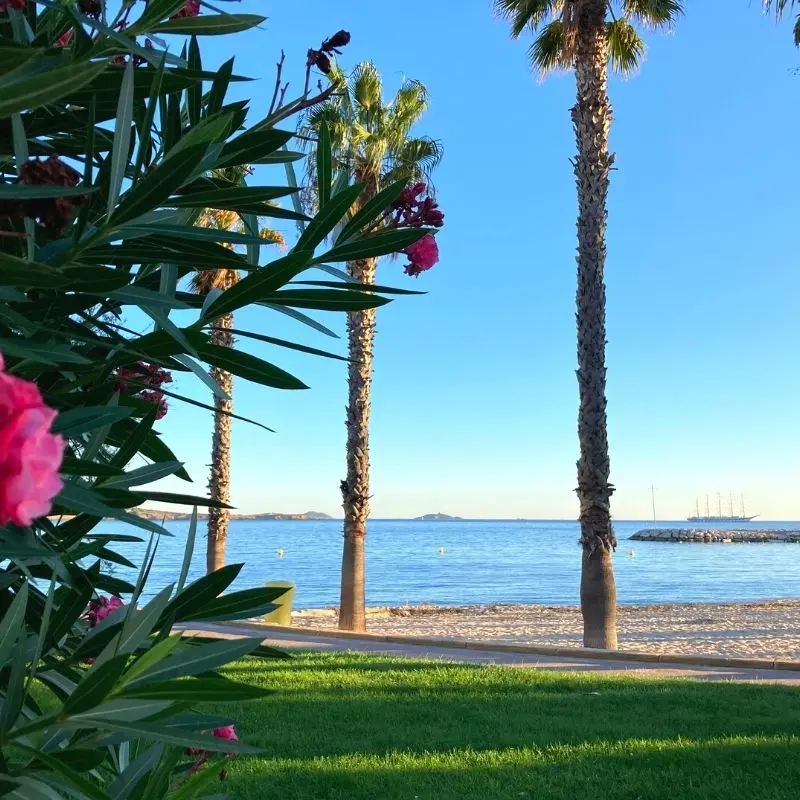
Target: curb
580,653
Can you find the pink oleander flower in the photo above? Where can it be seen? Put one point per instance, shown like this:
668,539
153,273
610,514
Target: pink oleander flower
52,213
157,398
30,455
191,8
101,608
147,375
422,255
64,39
228,733
412,210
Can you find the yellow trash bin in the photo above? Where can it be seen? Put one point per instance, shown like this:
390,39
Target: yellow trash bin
282,615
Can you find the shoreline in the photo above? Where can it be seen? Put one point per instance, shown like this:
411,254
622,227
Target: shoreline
763,629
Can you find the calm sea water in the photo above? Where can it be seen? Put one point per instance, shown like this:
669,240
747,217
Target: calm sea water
482,562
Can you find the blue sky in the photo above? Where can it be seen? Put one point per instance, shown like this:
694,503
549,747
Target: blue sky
475,397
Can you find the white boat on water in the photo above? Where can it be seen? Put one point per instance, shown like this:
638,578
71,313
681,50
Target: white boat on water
720,517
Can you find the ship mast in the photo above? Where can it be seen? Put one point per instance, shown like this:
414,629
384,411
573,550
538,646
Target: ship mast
730,502
708,508
697,507
719,502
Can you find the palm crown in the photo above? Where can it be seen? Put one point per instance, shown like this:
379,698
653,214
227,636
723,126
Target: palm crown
371,139
553,21
204,281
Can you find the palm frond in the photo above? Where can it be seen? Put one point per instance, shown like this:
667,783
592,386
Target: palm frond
414,161
327,112
626,48
366,87
342,98
548,51
233,175
525,14
653,13
272,236
409,105
335,115
219,219
779,6
203,281
370,139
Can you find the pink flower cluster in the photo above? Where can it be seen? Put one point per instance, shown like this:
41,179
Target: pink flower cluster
228,733
422,255
191,8
138,61
30,455
101,608
17,4
52,213
411,210
149,376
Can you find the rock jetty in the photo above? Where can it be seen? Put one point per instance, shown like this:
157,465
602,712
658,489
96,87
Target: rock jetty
714,536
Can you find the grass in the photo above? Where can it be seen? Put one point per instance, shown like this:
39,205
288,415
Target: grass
363,726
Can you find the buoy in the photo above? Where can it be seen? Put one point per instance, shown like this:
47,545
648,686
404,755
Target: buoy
631,553
441,551
279,551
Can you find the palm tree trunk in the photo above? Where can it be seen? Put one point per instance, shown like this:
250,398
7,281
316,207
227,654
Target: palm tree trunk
591,118
219,482
355,488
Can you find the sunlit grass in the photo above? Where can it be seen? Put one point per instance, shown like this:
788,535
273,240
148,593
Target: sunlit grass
363,726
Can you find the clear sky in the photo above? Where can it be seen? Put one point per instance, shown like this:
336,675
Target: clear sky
475,397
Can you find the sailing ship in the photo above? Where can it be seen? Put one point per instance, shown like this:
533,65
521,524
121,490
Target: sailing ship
720,517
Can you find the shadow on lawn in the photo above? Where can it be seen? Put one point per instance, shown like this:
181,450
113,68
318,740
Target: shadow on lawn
766,770
343,726
243,670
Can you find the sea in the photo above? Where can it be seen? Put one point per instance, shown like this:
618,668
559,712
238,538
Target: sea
466,562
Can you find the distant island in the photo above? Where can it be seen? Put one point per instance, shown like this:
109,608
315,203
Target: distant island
150,513
438,515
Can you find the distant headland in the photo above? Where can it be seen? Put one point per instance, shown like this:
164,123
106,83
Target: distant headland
150,513
438,515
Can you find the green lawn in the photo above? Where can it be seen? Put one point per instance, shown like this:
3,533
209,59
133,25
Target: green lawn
364,726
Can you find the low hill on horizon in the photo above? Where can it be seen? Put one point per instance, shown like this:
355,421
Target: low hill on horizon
155,514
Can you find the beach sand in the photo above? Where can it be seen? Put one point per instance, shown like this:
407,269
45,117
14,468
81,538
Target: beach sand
765,629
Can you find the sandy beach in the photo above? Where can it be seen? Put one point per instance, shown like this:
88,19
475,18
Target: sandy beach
765,629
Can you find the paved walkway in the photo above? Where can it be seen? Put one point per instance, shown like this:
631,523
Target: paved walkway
296,639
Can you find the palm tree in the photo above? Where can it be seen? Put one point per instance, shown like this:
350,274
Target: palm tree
587,36
371,141
219,483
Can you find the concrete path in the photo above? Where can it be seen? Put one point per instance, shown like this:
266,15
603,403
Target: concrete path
296,639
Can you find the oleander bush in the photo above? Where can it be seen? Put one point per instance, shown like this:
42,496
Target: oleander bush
112,146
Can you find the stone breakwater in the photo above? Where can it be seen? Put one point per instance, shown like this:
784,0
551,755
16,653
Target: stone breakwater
714,536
